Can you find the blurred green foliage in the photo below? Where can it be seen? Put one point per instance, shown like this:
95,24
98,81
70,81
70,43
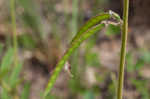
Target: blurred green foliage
140,83
32,19
26,41
112,30
140,62
141,86
89,95
9,76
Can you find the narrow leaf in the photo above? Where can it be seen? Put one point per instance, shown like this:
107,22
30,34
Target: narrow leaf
90,23
26,91
7,60
94,25
14,76
68,53
4,94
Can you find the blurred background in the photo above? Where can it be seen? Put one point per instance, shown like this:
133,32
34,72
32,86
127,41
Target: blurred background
44,30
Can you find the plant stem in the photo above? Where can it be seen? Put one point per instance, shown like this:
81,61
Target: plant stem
15,44
13,21
123,49
75,17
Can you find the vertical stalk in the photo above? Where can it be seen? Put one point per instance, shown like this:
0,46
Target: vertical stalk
74,28
123,48
15,45
75,17
74,63
13,22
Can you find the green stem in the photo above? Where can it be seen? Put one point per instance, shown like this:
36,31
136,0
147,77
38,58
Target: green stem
75,17
13,21
74,59
15,45
123,49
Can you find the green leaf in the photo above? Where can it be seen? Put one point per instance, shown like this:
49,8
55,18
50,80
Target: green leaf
7,60
14,75
26,91
91,27
68,53
4,94
90,23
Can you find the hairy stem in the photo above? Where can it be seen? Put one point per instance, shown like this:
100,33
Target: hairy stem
123,49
